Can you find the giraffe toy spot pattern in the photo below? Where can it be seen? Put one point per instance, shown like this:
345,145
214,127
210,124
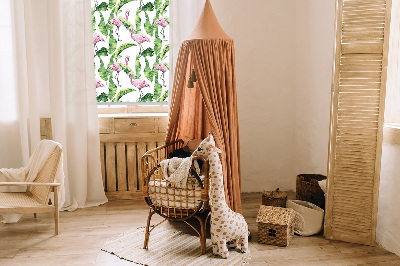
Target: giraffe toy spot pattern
226,225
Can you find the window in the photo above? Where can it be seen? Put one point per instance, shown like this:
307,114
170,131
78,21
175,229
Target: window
130,39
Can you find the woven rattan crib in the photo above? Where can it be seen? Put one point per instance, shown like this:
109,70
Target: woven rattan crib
170,202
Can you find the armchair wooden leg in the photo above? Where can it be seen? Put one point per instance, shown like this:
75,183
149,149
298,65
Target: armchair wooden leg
147,235
56,212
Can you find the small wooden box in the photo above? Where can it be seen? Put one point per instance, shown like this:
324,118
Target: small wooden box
274,198
275,225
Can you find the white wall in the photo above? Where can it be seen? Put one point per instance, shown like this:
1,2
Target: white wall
314,60
264,34
284,52
388,227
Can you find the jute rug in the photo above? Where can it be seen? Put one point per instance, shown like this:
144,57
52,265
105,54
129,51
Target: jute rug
168,247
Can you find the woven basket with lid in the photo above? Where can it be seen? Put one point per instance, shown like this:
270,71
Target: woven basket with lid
274,198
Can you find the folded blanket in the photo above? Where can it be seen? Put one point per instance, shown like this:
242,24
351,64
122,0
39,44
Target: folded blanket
176,170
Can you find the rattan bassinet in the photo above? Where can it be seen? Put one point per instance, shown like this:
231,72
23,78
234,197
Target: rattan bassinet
170,202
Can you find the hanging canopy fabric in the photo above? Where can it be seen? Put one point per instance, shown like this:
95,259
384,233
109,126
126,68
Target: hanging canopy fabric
211,105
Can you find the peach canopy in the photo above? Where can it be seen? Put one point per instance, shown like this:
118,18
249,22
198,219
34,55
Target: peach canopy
211,105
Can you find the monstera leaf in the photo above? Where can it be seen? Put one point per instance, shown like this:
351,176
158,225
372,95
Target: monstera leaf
119,50
157,45
121,93
157,4
118,7
164,97
126,24
157,89
93,21
104,27
112,44
148,26
163,55
126,69
102,52
124,46
102,7
147,98
148,7
138,67
103,97
103,72
112,88
147,52
138,22
111,4
164,7
148,72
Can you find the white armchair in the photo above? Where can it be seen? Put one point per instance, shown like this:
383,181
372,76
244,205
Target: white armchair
36,197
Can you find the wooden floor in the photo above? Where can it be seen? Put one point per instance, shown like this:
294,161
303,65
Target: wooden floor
82,233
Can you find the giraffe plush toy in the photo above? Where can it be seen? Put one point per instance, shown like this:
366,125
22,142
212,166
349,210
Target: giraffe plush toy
226,225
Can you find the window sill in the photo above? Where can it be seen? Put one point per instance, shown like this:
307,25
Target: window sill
133,110
127,115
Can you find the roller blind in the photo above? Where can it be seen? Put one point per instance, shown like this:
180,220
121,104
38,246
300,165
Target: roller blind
358,97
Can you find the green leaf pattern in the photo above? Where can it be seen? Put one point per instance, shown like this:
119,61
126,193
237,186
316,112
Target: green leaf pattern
118,61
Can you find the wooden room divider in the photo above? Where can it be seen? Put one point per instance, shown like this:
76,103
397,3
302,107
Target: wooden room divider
357,108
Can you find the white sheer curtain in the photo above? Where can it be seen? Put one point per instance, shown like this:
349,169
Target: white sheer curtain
10,147
183,18
54,69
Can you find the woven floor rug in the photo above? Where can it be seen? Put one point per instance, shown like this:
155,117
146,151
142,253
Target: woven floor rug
168,247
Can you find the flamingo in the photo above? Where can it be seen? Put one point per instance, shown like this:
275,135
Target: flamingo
163,23
97,38
139,38
99,84
117,68
127,60
116,22
139,84
161,67
127,14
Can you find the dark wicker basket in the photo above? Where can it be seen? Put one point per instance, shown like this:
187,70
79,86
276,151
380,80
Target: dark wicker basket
274,198
308,189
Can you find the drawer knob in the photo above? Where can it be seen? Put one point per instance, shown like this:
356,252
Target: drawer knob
133,124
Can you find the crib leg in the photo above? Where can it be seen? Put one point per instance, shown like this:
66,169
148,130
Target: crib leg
147,235
203,236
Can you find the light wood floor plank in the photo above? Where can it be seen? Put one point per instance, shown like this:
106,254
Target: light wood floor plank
82,234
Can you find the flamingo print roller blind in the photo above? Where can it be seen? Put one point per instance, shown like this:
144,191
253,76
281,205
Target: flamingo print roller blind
358,95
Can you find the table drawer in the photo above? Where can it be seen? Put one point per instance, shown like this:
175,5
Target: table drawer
162,124
106,125
134,125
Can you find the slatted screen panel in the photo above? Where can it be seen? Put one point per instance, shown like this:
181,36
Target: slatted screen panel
358,96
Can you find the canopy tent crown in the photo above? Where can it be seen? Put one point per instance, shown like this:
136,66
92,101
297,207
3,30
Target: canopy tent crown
207,26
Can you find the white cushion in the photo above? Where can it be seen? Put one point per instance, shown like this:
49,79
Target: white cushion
309,217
